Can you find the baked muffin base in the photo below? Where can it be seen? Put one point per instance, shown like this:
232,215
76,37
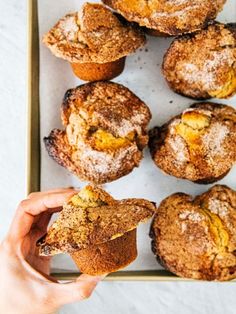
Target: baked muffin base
107,257
98,71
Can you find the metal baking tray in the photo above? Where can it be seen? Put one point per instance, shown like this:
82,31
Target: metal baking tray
34,153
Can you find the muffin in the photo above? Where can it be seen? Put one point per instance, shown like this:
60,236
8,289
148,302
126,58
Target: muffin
199,145
171,17
98,231
203,65
106,131
95,42
196,237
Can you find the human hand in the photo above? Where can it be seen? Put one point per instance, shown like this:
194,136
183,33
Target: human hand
25,284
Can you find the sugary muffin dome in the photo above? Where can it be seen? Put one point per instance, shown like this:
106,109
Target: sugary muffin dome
94,34
196,238
172,17
203,65
106,114
106,131
198,145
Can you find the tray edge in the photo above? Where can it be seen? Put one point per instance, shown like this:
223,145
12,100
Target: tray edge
33,133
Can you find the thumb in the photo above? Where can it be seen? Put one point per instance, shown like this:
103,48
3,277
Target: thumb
78,290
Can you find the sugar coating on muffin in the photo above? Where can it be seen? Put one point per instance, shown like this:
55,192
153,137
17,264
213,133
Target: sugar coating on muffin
198,145
106,131
203,65
196,238
93,217
94,34
98,231
170,17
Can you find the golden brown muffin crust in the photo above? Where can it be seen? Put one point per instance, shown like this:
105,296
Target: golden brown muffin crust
195,238
171,17
94,34
107,257
106,131
93,217
203,65
93,72
59,149
199,145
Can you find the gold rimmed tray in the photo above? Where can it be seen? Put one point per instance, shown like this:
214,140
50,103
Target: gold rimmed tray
34,151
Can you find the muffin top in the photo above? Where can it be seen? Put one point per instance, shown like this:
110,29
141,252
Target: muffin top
94,34
93,217
106,131
196,238
199,145
107,105
203,65
169,16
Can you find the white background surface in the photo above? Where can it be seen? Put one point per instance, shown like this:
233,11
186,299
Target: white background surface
155,297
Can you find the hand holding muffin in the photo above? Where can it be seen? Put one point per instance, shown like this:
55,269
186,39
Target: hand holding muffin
26,285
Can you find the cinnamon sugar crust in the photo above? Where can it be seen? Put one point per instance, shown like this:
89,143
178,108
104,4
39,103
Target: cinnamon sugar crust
195,238
171,17
199,145
106,131
91,218
94,34
203,65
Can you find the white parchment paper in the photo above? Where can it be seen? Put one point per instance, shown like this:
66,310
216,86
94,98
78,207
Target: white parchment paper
143,76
